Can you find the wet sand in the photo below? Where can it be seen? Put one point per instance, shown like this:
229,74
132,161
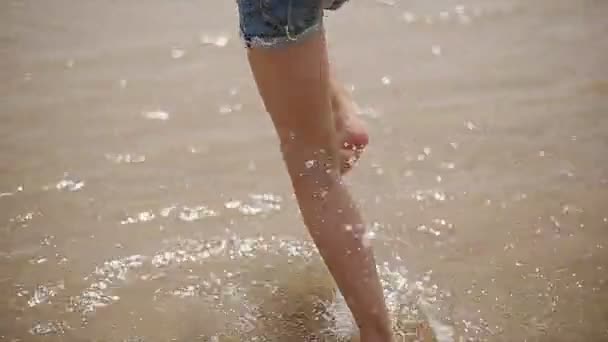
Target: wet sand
142,195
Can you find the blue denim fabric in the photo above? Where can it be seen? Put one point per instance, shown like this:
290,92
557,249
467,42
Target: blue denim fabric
275,23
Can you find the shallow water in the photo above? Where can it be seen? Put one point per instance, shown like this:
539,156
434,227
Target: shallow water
142,196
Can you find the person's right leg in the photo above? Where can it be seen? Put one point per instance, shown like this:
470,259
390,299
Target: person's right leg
293,81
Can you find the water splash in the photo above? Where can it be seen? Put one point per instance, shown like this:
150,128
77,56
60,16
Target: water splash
48,328
98,294
228,291
42,294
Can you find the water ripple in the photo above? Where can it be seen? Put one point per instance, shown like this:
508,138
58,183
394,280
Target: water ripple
227,290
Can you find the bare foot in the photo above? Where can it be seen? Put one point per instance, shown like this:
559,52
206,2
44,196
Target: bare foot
351,129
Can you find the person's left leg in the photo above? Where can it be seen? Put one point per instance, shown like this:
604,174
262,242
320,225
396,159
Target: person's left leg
289,61
350,129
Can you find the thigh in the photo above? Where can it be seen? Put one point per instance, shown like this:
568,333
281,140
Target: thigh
294,84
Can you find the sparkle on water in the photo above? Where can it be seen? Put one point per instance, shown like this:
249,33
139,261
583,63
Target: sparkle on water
226,291
177,53
459,14
69,184
255,204
218,41
125,158
156,115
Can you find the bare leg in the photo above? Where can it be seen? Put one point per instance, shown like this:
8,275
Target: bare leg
294,84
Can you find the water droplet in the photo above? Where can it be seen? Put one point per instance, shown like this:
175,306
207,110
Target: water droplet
439,196
69,63
555,221
541,153
177,53
225,109
367,238
470,125
165,212
196,213
436,50
41,295
143,216
125,158
156,115
464,19
567,173
38,261
387,2
386,80
219,41
447,165
48,328
122,83
69,185
409,17
310,163
232,204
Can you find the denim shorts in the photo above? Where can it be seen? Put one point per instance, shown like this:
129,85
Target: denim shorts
276,23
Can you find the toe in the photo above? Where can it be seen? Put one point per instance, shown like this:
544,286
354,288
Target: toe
348,158
356,141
